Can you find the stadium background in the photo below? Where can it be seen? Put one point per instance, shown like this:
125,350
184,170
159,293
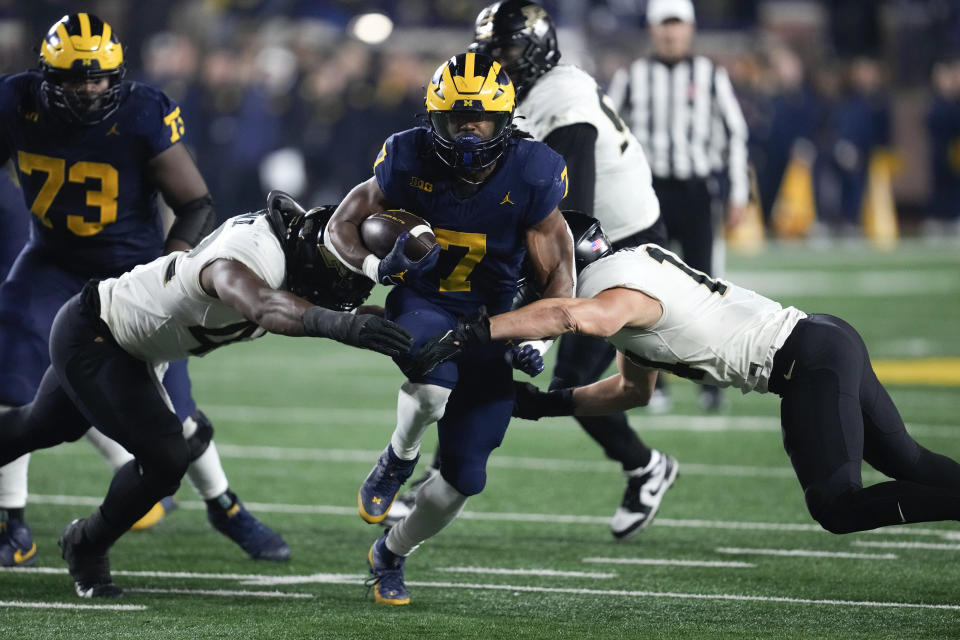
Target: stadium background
288,94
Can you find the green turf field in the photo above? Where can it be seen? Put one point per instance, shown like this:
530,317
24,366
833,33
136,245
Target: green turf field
733,552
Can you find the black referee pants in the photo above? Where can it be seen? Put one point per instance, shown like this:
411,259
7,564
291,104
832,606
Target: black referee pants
835,414
686,207
583,359
93,381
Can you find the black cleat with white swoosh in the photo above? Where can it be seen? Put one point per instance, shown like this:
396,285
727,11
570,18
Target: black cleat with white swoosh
643,496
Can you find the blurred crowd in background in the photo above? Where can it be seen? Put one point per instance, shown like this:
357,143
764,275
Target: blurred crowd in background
300,94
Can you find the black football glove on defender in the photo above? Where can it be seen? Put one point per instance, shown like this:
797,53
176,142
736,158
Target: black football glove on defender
364,331
471,331
530,403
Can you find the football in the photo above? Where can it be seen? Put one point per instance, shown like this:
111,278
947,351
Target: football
379,233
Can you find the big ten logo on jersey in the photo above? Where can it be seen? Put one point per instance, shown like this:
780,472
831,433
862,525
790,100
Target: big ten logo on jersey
423,185
30,116
175,122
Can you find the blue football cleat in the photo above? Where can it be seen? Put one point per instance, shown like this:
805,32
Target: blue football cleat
90,570
379,490
386,568
17,548
257,539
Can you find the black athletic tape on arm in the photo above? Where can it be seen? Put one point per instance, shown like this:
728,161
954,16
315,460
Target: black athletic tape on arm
194,220
325,323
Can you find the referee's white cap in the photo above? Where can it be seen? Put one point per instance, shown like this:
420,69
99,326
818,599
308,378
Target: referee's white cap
659,11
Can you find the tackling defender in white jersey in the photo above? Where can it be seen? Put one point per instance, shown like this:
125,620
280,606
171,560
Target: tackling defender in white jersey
260,272
562,106
661,314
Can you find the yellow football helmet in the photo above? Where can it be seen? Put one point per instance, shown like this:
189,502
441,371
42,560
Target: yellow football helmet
79,48
470,87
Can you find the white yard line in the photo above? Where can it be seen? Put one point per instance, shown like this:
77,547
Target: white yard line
909,545
547,573
806,553
224,593
355,580
554,518
686,423
663,562
23,604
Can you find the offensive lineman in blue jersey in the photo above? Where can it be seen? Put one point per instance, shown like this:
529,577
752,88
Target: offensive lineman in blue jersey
491,197
91,152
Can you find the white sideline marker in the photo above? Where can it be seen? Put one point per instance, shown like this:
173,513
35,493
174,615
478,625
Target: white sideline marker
226,593
553,573
23,604
807,553
909,545
662,562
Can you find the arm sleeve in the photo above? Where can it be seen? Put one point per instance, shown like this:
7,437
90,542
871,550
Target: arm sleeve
736,128
577,144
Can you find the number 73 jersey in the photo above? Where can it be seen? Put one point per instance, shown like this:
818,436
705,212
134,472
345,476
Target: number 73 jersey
93,202
711,330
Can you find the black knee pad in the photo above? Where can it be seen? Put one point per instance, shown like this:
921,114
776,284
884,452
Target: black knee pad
829,508
166,464
201,438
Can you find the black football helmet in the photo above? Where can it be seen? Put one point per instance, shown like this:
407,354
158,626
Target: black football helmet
521,35
313,273
80,47
472,86
590,244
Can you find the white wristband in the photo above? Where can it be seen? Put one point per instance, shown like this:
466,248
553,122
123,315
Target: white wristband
371,267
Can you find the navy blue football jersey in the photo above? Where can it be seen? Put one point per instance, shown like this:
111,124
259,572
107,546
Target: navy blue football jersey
482,235
92,201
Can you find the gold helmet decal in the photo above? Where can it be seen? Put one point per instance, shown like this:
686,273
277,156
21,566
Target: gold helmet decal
470,82
81,42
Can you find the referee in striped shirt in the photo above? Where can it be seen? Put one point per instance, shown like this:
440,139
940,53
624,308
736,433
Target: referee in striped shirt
682,109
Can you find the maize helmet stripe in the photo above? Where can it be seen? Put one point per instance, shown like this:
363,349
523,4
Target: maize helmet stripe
81,41
485,84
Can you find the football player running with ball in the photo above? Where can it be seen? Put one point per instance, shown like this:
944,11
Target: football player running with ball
661,314
110,344
491,197
91,153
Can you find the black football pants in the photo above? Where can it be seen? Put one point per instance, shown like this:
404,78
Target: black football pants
93,381
583,359
836,414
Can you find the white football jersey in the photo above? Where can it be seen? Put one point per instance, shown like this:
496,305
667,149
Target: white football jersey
158,312
711,330
624,201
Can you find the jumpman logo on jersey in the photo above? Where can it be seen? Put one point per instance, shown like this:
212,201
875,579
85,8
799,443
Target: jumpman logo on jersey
112,131
507,200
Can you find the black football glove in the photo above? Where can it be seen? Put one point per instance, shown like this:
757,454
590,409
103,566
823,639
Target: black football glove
364,331
525,358
470,331
530,403
397,268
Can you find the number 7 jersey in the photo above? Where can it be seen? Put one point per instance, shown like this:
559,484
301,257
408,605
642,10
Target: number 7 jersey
93,203
711,330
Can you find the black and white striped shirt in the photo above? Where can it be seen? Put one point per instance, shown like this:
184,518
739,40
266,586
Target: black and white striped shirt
686,118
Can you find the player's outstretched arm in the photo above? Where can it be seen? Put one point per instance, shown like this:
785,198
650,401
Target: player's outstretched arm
631,387
284,313
550,252
184,190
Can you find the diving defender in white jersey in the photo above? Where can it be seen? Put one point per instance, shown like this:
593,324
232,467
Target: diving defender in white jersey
259,272
661,314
